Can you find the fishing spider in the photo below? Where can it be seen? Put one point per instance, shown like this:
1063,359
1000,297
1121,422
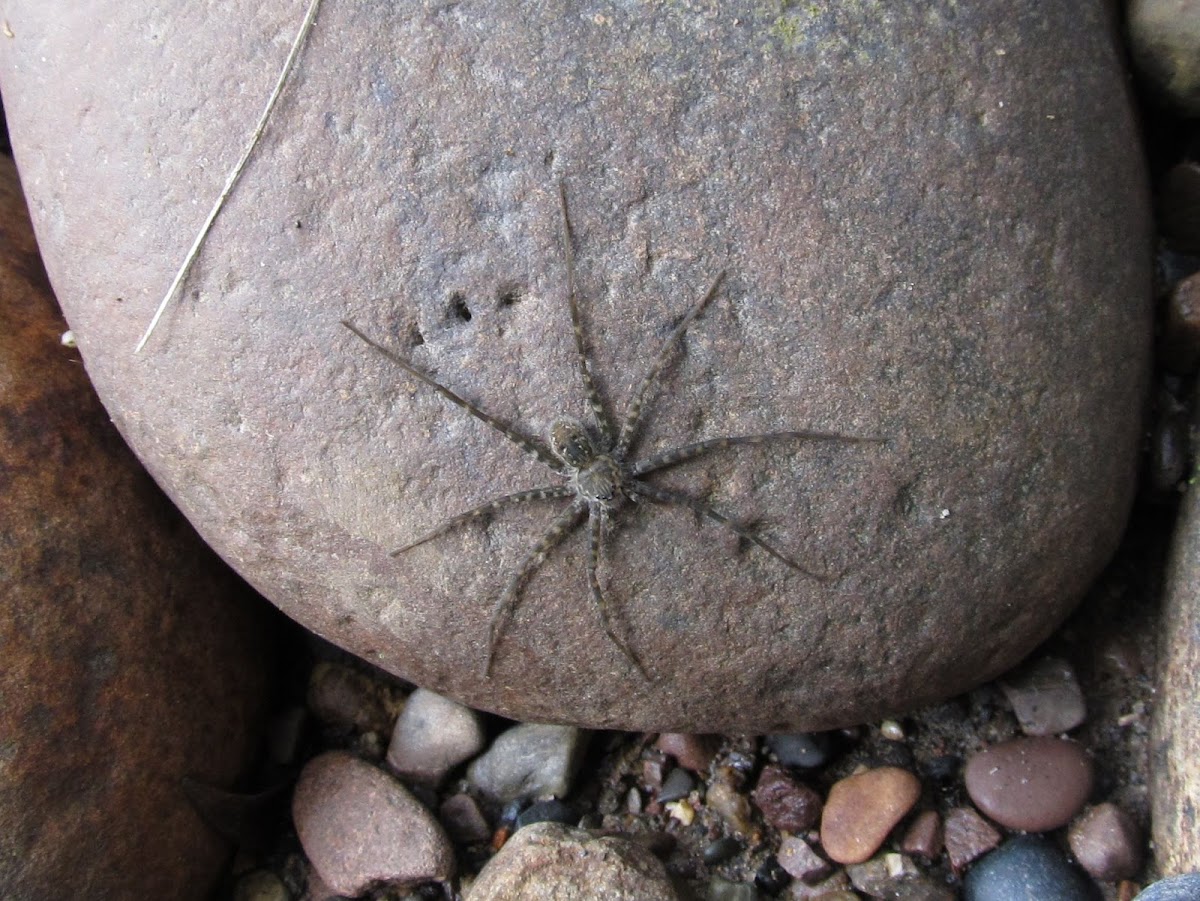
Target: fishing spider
597,468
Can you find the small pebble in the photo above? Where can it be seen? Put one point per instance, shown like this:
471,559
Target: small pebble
863,808
835,888
695,752
529,760
1185,887
801,861
1045,696
721,850
550,860
725,798
348,699
1107,843
892,730
1035,784
548,811
633,801
653,768
260,885
463,819
771,877
924,837
968,836
433,734
682,811
802,750
677,785
785,802
722,890
1164,37
359,826
896,876
1180,345
1027,868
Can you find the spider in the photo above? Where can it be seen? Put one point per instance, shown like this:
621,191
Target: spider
597,469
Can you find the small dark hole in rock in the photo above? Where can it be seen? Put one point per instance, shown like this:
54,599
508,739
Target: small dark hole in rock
458,307
415,338
507,296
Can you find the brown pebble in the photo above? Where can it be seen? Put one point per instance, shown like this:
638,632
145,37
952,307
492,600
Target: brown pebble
1107,843
692,752
345,698
1127,890
968,837
785,802
1180,344
1035,784
725,798
863,808
463,819
1045,696
800,861
924,837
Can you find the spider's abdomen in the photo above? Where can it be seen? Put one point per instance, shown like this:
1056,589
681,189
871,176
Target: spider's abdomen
571,443
599,482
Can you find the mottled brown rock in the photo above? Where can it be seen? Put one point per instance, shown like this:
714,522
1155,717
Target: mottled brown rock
1045,696
341,696
360,827
1107,843
862,809
800,861
692,752
550,861
926,239
1175,758
968,836
132,658
786,803
1034,784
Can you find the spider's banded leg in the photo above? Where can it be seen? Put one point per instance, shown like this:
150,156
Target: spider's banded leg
634,415
507,604
533,494
581,358
525,442
678,455
596,521
667,496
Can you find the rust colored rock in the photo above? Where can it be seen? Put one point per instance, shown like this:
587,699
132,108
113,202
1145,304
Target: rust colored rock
1175,758
1034,784
862,809
692,752
968,837
923,242
785,802
924,836
132,657
360,827
548,861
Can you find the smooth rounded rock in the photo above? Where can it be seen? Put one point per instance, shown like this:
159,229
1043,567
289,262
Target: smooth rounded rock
1045,696
359,827
862,809
1182,887
1107,843
549,861
1027,868
1175,736
433,734
132,658
928,236
1034,784
530,760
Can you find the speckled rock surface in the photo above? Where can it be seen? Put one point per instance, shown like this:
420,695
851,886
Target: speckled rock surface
549,861
1175,759
131,657
933,226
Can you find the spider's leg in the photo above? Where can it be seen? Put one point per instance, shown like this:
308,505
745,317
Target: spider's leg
533,494
562,526
596,520
634,414
676,498
581,357
525,442
688,451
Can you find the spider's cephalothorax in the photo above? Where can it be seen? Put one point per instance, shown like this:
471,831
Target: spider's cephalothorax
598,475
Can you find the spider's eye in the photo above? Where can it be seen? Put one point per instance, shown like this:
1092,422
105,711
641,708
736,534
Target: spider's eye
570,443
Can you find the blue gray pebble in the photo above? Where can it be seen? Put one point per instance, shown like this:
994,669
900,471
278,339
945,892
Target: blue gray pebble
1175,888
677,785
549,811
803,750
1027,868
